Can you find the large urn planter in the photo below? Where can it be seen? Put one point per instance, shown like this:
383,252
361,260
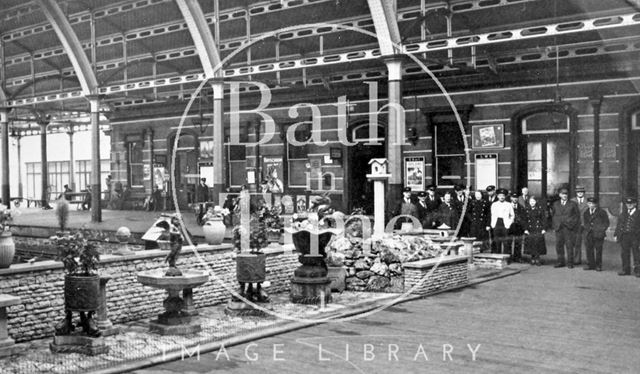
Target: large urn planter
250,273
310,283
7,249
214,231
251,267
82,293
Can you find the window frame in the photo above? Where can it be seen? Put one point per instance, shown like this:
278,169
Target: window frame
130,164
303,149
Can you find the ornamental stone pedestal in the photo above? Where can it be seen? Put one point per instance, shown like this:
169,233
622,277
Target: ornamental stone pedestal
310,283
379,177
102,318
179,317
123,235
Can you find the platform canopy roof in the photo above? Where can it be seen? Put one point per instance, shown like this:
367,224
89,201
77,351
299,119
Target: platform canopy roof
137,53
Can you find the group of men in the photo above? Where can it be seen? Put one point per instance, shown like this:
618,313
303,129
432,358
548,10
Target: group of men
431,210
576,221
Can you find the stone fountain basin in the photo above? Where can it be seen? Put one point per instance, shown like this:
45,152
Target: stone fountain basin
157,279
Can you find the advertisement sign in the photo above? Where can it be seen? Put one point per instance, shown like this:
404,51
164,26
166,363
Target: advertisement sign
487,136
160,175
206,149
272,169
414,173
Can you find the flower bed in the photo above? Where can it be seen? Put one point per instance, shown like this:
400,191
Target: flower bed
376,265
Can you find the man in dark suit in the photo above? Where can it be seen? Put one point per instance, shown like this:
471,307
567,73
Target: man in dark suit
461,195
628,235
406,207
566,220
523,200
203,191
582,207
595,224
433,203
447,212
491,198
422,207
491,194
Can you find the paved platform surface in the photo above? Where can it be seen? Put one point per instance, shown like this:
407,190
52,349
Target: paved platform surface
543,320
138,221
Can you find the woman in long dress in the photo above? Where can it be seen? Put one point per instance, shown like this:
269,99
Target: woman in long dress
536,221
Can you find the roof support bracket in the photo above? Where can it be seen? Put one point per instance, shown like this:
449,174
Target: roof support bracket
202,37
72,45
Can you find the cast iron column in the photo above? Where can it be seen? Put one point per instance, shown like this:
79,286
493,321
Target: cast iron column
72,179
596,104
96,208
18,138
43,123
394,147
4,123
219,162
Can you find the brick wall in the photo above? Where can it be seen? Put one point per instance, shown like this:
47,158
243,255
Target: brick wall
41,286
450,272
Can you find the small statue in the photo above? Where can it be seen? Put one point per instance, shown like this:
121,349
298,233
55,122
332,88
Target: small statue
175,237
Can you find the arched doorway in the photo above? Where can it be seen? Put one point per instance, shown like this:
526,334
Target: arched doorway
544,142
185,175
359,190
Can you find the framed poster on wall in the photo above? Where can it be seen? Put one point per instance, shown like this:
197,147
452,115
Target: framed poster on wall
486,170
414,173
272,168
487,136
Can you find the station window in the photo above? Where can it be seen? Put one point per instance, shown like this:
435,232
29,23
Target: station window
83,173
135,169
237,165
449,154
298,157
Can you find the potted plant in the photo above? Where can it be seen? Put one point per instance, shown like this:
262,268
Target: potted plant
7,246
214,227
81,282
62,214
250,261
273,225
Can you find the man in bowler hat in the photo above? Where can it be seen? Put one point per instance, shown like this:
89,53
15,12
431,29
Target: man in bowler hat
566,220
595,223
582,207
628,235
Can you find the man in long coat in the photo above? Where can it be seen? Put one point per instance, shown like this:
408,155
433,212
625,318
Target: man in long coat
596,222
565,220
582,207
628,235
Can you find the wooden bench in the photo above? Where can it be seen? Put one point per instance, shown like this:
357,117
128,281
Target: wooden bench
77,198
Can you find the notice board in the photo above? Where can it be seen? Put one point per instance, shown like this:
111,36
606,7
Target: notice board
486,170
